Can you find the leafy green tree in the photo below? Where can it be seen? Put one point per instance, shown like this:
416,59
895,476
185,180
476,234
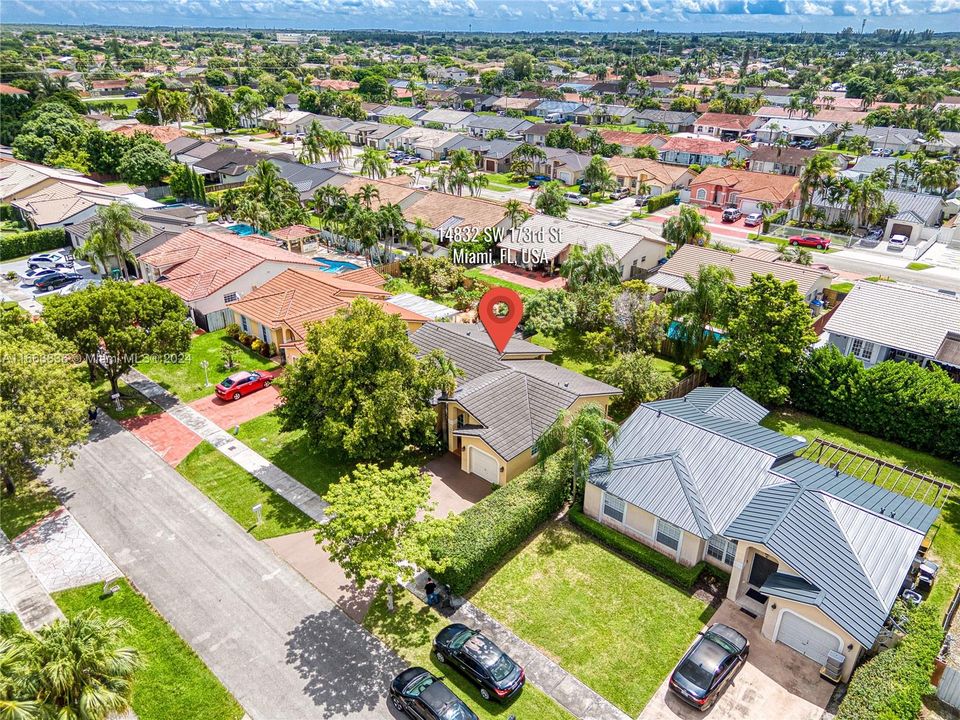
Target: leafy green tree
637,321
373,532
147,162
521,64
647,152
550,200
689,226
701,310
221,113
597,266
116,324
769,330
360,391
635,373
76,668
586,433
105,150
44,410
597,174
374,88
549,312
827,383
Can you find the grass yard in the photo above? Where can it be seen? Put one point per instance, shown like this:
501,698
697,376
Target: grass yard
945,532
128,104
134,404
236,491
185,378
918,266
842,287
477,274
569,352
616,627
32,502
409,631
173,683
505,179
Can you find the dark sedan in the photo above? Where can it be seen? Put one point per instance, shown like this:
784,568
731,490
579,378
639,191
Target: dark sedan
477,657
56,280
419,694
709,666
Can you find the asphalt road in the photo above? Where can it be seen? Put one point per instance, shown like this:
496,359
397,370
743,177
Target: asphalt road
279,646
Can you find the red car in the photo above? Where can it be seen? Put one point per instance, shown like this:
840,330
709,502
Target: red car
243,383
814,241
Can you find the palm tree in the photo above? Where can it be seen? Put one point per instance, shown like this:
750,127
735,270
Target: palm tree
417,235
313,143
115,227
201,100
688,226
586,434
155,99
700,309
815,169
177,107
477,183
336,143
77,668
367,194
597,266
900,168
373,163
516,212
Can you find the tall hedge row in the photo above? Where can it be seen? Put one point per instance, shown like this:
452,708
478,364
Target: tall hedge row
30,242
891,685
916,407
501,522
658,202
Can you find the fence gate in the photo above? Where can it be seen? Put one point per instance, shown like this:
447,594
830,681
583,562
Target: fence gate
948,691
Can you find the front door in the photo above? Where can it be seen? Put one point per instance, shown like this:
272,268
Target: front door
762,569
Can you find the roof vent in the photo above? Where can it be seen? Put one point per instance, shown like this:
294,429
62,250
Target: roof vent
836,472
799,438
658,413
566,384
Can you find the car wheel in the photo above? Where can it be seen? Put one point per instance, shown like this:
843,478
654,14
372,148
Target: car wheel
484,693
266,383
440,658
819,246
236,396
397,703
794,242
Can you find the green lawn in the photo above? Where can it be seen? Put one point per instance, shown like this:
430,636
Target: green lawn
569,352
505,179
477,274
918,266
410,629
236,491
173,684
946,531
32,502
185,378
128,104
842,287
134,404
614,626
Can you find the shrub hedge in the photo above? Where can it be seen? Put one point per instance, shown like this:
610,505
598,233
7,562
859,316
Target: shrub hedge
891,685
501,522
916,407
30,242
6,213
646,557
661,201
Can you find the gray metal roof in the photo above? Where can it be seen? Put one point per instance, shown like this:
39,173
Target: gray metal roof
422,306
474,359
562,378
727,402
498,122
475,333
791,587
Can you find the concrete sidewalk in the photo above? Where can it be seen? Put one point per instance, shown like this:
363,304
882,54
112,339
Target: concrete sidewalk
22,591
266,472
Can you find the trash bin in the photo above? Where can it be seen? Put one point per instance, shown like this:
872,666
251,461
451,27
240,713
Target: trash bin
115,273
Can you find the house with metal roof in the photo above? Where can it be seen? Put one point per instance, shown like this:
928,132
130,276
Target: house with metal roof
483,125
880,321
917,216
503,401
820,555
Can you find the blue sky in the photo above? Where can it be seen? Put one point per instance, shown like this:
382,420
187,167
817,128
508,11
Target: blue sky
499,15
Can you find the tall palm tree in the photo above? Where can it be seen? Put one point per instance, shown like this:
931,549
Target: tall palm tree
367,194
201,100
417,235
700,309
689,226
71,669
593,267
477,182
101,252
516,212
155,99
586,434
177,108
373,163
815,169
336,144
115,227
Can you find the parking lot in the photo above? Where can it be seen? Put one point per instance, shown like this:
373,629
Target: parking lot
28,296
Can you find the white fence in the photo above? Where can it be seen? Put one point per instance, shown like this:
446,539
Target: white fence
948,691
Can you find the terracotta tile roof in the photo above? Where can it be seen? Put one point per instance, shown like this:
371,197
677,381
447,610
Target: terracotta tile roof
698,145
329,84
440,209
11,90
295,232
365,276
296,298
197,263
636,167
632,139
726,120
162,133
108,84
752,185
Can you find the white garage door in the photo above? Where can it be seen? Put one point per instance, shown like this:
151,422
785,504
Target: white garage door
806,638
484,465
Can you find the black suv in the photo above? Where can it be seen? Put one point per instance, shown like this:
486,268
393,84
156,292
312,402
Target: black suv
421,695
709,666
477,657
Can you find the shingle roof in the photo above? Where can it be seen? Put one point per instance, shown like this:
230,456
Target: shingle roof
899,316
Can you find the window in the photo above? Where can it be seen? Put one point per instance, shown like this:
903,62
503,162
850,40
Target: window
230,297
668,534
701,194
264,333
460,420
722,549
861,349
243,324
614,507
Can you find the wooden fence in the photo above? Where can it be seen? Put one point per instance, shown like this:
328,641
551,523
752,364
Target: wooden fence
391,268
686,384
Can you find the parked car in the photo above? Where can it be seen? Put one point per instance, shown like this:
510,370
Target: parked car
641,200
421,695
29,277
816,241
808,145
619,194
577,198
541,178
130,93
48,260
897,242
477,657
709,665
585,188
731,215
533,183
753,219
243,383
872,238
56,280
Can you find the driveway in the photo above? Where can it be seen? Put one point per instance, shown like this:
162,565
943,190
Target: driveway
279,646
26,295
228,414
169,438
452,489
776,682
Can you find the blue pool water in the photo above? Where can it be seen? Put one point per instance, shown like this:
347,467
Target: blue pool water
242,229
335,266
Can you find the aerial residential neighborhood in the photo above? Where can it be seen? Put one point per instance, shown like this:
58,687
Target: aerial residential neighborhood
382,359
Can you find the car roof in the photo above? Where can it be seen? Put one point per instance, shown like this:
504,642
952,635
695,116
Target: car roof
482,649
437,695
729,634
708,654
240,375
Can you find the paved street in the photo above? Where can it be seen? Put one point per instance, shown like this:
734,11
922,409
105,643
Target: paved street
281,647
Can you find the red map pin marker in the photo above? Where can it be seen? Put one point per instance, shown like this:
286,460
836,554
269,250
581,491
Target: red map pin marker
500,327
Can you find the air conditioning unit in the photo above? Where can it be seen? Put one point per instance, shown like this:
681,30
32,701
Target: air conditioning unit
833,668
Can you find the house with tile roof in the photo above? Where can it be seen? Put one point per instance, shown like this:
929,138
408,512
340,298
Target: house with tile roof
923,326
728,187
819,555
679,150
659,178
212,267
504,401
630,141
282,309
724,125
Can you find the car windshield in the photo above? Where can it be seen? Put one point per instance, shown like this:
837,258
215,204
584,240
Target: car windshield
695,674
459,640
501,668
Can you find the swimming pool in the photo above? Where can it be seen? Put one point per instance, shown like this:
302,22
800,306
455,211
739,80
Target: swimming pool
336,266
242,229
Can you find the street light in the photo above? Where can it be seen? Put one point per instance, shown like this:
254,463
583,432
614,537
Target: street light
205,364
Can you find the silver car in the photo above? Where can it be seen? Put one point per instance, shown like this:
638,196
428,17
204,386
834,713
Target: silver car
29,277
897,242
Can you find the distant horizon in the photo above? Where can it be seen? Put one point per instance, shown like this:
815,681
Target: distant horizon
708,17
